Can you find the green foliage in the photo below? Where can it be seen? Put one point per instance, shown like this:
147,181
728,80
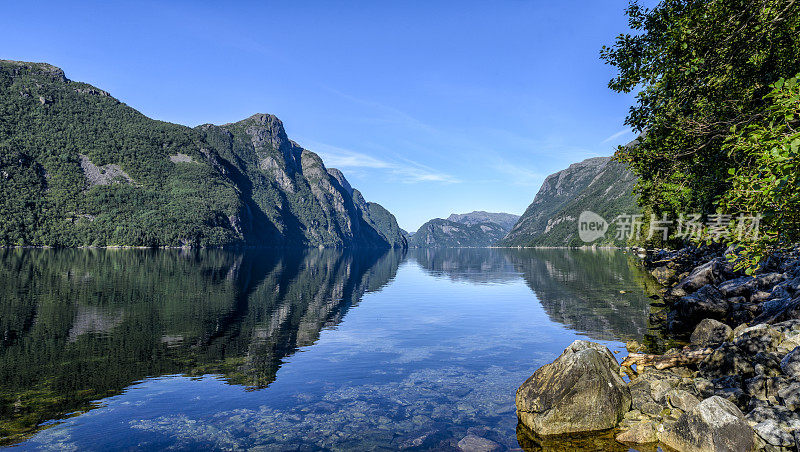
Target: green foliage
48,122
767,177
701,71
698,67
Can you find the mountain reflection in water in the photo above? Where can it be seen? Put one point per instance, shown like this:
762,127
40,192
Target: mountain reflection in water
84,325
79,325
595,292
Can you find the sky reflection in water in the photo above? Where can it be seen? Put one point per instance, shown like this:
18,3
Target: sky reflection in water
293,351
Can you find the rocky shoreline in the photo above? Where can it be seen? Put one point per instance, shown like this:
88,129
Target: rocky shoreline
735,386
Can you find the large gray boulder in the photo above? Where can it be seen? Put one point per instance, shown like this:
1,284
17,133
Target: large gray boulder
771,433
699,277
712,272
727,359
739,287
779,310
714,425
711,332
759,338
581,391
707,302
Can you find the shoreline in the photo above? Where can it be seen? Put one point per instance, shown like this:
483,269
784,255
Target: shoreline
736,386
226,248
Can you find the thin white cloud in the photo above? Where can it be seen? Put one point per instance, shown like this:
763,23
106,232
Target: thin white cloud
550,145
518,175
336,157
407,171
617,135
385,113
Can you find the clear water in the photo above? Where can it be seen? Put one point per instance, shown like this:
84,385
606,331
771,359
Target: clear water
322,349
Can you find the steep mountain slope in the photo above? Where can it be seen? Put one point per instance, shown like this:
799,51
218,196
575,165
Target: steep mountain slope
449,234
599,184
506,220
77,167
556,191
609,195
373,213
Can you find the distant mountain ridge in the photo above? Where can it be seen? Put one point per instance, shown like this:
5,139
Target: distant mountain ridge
506,220
440,233
81,168
473,229
600,185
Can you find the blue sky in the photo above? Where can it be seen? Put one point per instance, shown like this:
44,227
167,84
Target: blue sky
429,107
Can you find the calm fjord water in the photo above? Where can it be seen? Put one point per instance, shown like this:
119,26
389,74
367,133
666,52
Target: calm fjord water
319,349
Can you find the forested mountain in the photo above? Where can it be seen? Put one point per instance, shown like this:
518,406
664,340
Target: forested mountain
78,167
506,220
449,234
598,184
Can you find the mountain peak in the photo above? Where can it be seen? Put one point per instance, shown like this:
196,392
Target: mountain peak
244,183
440,233
18,68
264,121
339,176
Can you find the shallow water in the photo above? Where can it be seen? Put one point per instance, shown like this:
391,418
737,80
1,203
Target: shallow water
321,349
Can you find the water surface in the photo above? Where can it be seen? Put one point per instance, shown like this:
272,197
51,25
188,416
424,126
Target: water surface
307,350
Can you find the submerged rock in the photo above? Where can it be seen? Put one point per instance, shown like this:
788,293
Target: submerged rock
474,443
598,441
714,425
639,433
581,391
663,274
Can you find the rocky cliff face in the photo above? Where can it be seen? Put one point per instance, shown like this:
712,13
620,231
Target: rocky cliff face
598,184
380,219
306,201
81,168
449,234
